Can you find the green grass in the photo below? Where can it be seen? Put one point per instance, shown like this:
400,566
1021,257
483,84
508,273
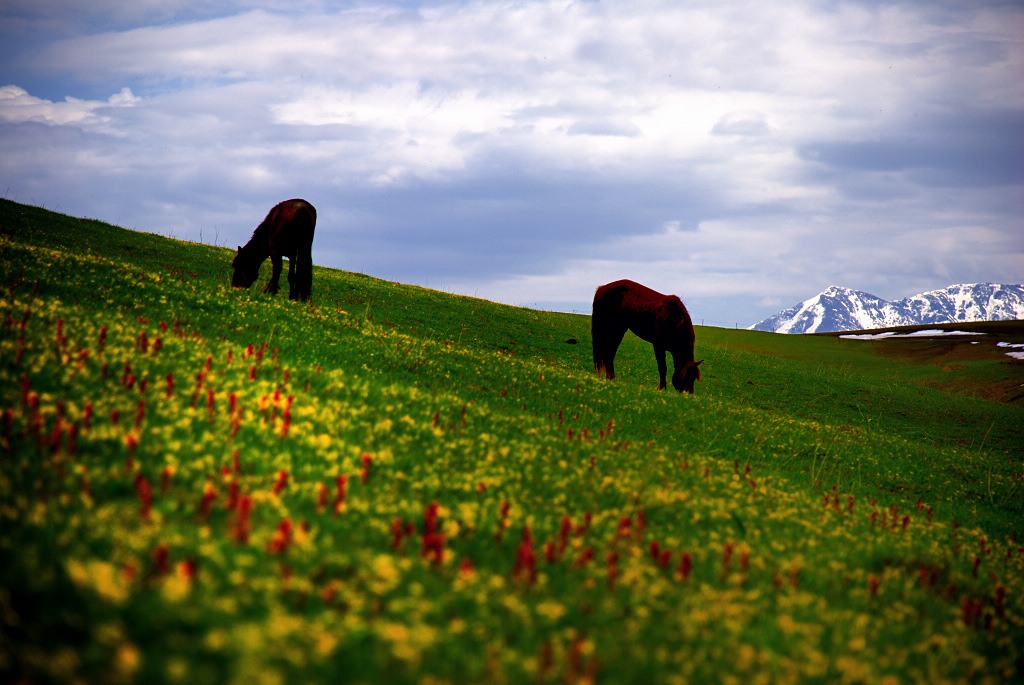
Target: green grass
821,510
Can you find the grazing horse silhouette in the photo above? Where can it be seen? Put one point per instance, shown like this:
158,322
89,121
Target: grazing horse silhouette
286,232
659,319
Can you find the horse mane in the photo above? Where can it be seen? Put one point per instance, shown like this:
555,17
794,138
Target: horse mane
265,225
255,250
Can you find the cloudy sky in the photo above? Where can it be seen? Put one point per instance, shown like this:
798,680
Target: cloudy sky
744,155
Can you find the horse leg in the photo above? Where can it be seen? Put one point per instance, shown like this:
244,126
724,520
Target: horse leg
275,276
291,278
659,352
303,276
610,341
595,341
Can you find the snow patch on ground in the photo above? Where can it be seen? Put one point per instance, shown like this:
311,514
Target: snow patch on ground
1016,349
1014,346
916,334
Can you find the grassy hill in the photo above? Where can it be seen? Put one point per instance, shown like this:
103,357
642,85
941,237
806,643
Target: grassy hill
392,484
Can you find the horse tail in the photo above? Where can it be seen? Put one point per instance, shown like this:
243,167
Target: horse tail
606,327
597,336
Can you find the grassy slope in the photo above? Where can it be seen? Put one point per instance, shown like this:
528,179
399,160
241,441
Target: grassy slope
472,405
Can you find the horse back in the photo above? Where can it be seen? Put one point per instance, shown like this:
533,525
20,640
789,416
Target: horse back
651,315
290,226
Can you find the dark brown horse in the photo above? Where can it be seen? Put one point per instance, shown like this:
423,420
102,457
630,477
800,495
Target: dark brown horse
286,232
659,319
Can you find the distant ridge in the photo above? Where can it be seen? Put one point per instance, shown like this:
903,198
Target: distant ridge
843,309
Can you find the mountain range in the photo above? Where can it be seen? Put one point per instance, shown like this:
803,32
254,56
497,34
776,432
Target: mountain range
843,309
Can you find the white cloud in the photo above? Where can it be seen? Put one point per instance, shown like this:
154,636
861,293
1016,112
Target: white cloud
744,122
17,106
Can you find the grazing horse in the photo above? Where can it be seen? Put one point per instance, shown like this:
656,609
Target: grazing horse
659,319
286,232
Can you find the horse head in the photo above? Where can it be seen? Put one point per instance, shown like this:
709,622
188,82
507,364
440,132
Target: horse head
244,275
685,376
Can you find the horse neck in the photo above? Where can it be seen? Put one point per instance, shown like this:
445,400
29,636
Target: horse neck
682,350
682,355
256,250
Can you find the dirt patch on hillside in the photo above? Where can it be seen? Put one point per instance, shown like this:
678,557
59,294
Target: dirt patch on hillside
973,363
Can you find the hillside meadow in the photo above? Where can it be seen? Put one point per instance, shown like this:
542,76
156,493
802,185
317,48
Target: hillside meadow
391,484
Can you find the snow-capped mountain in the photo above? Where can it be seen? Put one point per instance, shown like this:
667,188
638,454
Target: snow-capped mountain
842,309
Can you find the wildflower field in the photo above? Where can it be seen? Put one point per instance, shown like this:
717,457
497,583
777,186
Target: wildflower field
390,484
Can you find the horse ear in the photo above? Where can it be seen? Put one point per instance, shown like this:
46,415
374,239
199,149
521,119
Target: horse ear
698,363
239,248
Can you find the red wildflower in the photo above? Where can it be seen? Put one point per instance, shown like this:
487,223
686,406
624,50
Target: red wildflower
281,482
282,538
727,557
970,611
209,495
502,521
625,528
367,460
1000,601
433,539
585,556
585,526
685,565
242,524
161,560
145,493
397,533
564,530
188,568
526,559
549,552
339,498
641,520
72,438
612,561
287,417
233,495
